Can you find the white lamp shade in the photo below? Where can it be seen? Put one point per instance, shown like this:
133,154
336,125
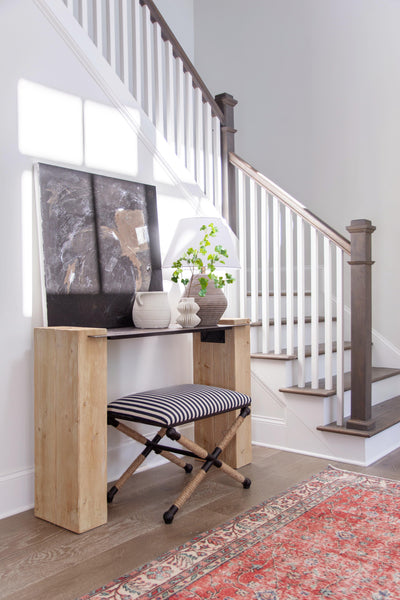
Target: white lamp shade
188,235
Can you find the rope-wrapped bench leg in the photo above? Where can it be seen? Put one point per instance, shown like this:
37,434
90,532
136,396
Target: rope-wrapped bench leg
124,477
210,460
185,495
142,457
140,438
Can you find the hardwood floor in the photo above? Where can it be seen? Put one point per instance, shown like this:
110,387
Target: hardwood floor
40,561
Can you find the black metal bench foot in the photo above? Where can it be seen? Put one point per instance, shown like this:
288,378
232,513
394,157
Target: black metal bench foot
169,514
111,493
246,483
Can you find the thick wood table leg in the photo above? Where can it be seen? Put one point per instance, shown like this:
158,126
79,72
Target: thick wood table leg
71,427
225,364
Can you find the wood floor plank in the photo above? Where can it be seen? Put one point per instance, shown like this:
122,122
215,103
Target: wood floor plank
39,560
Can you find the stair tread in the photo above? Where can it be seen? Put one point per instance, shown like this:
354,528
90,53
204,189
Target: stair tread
285,356
284,321
386,414
378,373
249,294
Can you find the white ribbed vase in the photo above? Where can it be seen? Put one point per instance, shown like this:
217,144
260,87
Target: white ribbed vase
188,309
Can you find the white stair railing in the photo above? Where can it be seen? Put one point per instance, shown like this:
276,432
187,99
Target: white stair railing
287,252
134,39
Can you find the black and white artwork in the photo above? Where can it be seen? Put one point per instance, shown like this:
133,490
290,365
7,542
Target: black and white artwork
100,246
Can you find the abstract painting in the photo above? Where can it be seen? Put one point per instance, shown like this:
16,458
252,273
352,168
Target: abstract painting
100,246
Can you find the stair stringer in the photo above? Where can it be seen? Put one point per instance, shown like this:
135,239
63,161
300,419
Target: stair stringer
124,102
289,421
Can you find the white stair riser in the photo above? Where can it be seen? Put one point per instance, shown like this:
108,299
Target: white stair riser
385,389
257,333
321,365
267,368
344,448
380,391
325,410
271,375
271,302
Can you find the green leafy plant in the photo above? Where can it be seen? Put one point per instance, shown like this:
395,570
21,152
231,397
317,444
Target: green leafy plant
203,260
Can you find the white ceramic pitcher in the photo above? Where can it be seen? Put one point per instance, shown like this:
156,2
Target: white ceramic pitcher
151,310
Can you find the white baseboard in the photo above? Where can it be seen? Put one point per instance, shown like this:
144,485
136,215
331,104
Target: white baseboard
314,454
17,489
16,492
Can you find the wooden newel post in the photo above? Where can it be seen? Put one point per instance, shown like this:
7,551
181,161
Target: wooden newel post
227,102
361,324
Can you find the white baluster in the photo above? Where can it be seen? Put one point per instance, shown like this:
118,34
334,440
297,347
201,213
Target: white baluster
112,49
126,43
70,5
289,282
242,233
169,84
208,150
158,78
199,139
265,241
99,26
277,277
148,63
301,359
339,338
189,123
314,308
216,131
180,109
253,250
85,15
328,312
137,51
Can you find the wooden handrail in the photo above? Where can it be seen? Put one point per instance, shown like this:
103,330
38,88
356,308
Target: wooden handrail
178,51
291,202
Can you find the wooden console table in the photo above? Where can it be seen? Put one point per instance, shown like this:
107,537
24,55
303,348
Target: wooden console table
71,407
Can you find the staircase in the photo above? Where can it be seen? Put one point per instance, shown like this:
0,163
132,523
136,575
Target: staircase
304,338
304,419
307,395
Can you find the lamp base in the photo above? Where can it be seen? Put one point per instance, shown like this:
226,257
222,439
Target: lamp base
212,305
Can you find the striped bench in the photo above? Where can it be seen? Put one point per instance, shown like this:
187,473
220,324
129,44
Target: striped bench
168,408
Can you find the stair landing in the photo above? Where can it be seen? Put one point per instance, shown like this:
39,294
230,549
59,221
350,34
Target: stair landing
385,415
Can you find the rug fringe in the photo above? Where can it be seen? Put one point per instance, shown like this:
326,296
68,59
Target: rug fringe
363,474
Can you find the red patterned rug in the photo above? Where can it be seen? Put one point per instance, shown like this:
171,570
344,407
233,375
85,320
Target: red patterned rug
334,536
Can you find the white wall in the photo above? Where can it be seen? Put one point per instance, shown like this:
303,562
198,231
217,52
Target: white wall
318,85
179,14
52,110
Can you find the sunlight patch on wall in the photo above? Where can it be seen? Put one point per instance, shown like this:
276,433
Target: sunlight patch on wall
170,210
110,144
26,233
49,123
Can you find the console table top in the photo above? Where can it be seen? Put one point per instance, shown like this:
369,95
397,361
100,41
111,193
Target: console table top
133,332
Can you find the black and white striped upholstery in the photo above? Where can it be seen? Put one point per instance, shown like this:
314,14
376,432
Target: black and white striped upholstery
175,405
